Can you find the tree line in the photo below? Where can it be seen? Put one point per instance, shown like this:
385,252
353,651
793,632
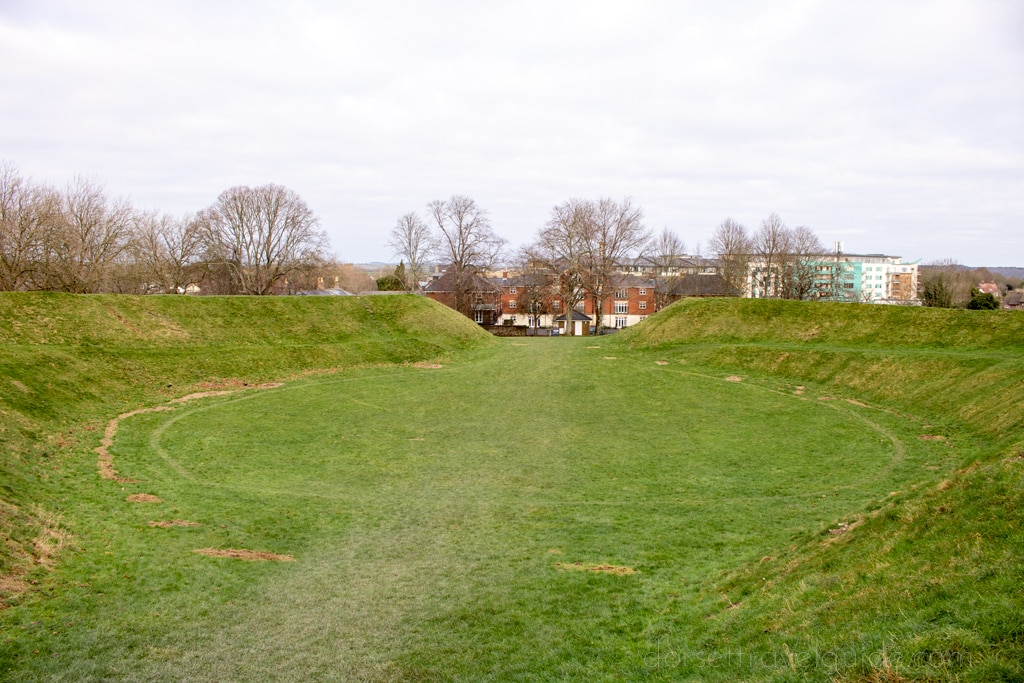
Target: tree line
250,240
584,242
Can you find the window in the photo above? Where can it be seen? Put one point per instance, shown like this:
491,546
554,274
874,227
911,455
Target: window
620,322
622,307
512,290
643,305
478,317
643,291
621,294
512,304
556,305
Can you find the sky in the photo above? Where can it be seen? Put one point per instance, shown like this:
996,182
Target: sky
894,126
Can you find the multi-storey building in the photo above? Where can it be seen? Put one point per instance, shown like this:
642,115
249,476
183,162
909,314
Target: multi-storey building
867,278
876,278
630,300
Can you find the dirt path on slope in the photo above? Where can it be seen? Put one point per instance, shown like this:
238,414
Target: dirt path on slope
105,462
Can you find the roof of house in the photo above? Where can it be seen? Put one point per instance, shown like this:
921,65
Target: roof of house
446,283
576,315
621,280
700,285
989,288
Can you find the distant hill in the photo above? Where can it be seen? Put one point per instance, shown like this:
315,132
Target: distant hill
1008,271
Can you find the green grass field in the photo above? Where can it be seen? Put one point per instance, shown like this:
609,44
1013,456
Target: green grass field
655,506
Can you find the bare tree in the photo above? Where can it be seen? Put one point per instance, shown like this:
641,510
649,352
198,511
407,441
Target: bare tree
804,271
466,242
616,230
88,235
169,251
668,258
261,235
412,241
732,245
945,284
25,212
561,249
771,247
536,286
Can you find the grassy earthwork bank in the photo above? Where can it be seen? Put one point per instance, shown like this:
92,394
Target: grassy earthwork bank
68,364
927,585
732,490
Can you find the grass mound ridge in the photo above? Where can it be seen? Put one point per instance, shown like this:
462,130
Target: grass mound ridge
70,362
958,365
732,320
932,577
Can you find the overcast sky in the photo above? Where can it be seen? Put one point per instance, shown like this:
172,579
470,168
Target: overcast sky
896,127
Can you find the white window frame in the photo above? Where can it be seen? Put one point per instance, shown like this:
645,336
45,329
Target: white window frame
622,307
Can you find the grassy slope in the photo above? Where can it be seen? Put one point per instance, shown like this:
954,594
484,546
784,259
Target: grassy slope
933,579
68,363
428,534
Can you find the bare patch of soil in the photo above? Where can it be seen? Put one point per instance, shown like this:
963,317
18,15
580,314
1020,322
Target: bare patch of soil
855,402
11,584
428,366
733,378
143,498
201,394
51,539
21,387
597,568
826,398
237,554
173,522
932,437
661,362
842,529
611,357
